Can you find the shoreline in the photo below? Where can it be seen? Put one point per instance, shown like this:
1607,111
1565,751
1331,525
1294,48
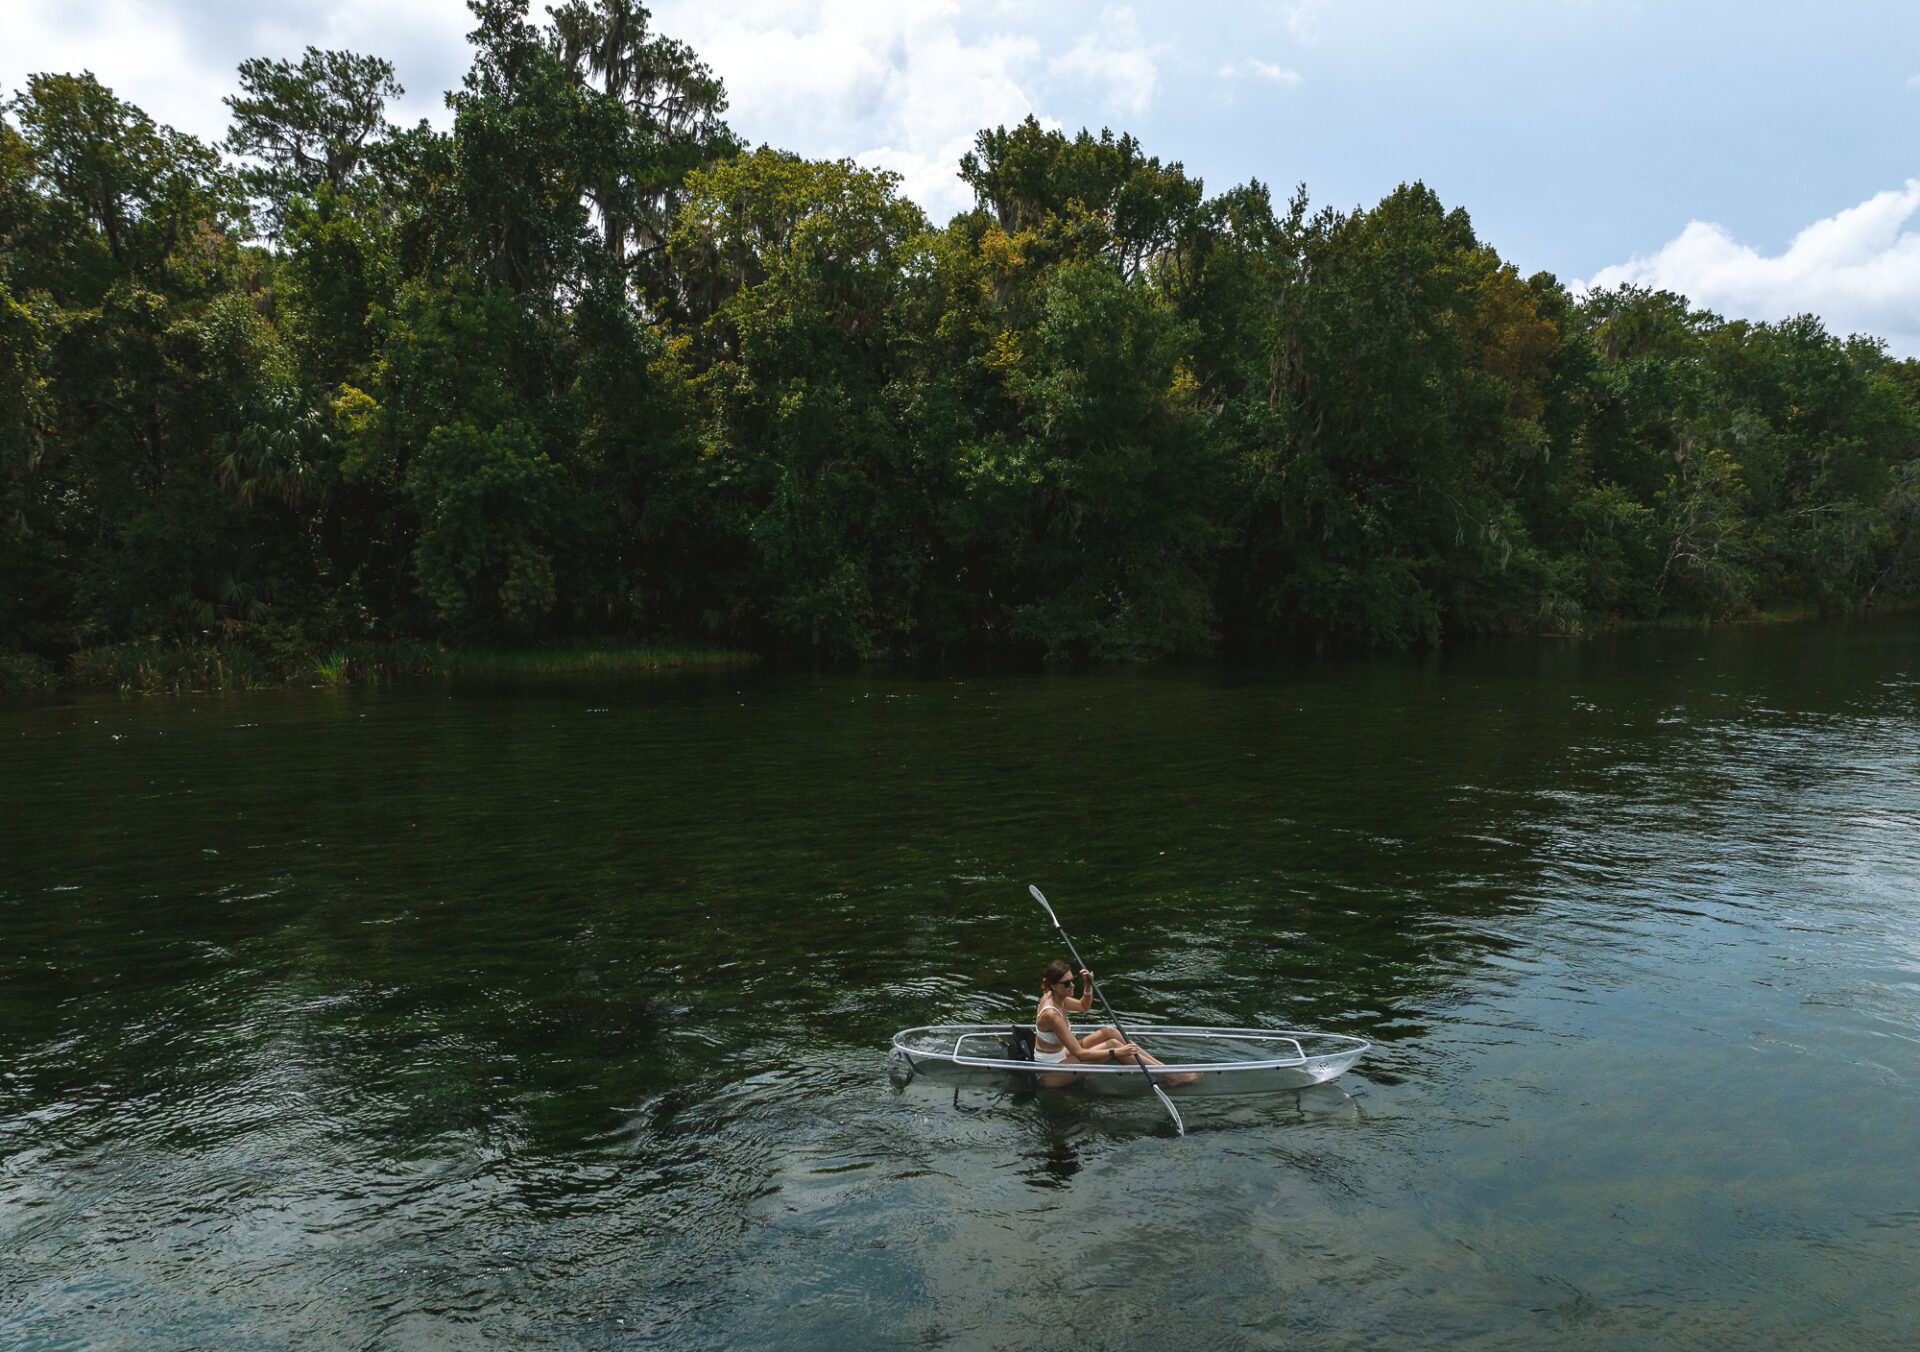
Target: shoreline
155,667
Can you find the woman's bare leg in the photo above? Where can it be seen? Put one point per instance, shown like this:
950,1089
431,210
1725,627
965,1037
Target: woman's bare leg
1099,1046
1096,1041
1176,1078
1101,1043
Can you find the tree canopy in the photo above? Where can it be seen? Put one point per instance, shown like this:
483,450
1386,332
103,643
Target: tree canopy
584,364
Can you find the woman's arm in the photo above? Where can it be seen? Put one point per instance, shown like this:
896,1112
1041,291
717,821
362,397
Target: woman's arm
1085,1002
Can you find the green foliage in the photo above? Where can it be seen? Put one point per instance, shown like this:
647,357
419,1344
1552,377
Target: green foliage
1408,374
1097,513
1896,538
595,659
670,107
815,473
25,674
307,126
119,198
151,667
29,560
490,501
1034,181
580,370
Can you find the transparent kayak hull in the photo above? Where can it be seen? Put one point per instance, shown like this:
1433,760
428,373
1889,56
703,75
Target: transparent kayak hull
1198,1060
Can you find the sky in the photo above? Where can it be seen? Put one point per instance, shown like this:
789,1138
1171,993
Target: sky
1759,157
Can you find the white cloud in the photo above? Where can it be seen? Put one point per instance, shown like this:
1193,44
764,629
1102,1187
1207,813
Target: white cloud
893,86
1302,18
1114,59
1252,68
907,87
1266,70
1858,270
176,58
899,86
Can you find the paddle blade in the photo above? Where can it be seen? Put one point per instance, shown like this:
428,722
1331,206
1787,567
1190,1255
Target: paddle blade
1179,1127
1040,897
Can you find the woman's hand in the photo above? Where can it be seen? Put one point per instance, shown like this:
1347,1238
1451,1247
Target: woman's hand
1086,976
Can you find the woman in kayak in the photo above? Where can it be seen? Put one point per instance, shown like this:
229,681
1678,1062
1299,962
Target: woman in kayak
1054,1040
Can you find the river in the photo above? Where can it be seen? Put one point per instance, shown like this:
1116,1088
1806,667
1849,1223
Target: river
553,1014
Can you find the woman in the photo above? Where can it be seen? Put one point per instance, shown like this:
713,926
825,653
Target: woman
1054,1041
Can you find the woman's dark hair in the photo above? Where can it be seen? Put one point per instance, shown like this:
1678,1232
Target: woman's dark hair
1057,971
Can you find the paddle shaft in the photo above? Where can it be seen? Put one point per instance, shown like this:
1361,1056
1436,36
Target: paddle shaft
1101,995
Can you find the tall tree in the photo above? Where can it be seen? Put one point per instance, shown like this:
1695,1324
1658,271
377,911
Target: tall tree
156,360
1083,517
1411,362
308,124
674,106
817,482
1027,175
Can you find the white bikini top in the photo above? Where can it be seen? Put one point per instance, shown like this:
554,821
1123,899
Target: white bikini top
1047,1040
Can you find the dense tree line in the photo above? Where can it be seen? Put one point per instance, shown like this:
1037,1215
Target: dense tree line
585,365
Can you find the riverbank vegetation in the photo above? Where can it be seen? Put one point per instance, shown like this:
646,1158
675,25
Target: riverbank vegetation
583,368
155,666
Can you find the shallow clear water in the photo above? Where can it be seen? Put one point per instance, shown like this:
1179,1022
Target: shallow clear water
554,1015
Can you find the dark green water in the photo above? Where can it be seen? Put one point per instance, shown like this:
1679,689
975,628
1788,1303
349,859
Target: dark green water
554,1016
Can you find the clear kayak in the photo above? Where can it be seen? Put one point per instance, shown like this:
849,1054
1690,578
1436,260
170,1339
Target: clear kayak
1198,1060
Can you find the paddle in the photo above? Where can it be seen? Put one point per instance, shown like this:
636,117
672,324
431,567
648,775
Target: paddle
1179,1127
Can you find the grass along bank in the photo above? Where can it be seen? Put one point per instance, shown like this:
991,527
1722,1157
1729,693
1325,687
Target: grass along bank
605,659
156,667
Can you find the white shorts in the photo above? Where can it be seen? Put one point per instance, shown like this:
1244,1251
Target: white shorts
1049,1058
